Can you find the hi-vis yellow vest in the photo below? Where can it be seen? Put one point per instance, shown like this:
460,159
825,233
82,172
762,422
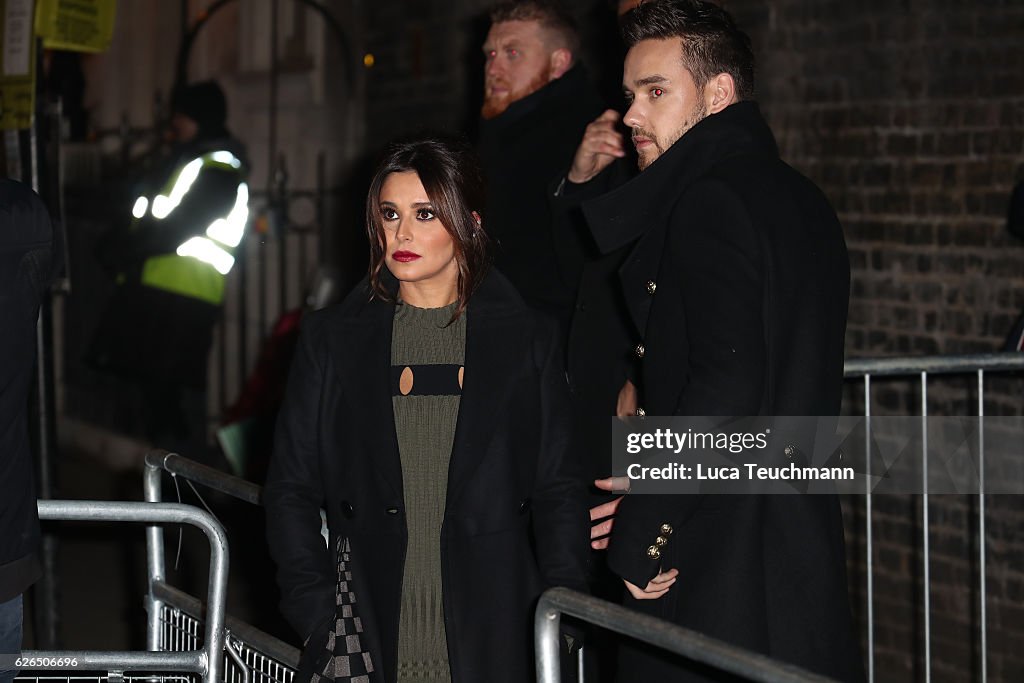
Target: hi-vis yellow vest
198,267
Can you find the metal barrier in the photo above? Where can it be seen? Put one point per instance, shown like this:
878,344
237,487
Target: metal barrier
175,616
205,659
920,369
186,637
700,648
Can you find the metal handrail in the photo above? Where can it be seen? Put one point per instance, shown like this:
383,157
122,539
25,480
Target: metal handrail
161,593
663,634
920,368
206,661
933,365
209,477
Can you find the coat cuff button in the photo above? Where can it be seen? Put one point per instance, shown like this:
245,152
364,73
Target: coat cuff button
666,529
660,541
654,552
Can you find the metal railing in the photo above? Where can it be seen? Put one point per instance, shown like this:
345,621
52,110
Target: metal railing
918,369
663,634
204,659
185,636
253,655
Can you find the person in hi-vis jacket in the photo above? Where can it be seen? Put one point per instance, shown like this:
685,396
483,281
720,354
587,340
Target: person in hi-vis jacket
184,226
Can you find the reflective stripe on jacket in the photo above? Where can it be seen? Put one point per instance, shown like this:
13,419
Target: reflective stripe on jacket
199,263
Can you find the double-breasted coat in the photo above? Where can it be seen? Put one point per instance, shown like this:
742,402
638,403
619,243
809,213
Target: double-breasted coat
739,282
515,520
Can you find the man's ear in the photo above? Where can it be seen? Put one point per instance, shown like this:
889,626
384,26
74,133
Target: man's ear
719,93
559,62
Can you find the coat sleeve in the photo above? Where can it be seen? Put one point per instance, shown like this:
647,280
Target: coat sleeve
294,493
560,519
712,263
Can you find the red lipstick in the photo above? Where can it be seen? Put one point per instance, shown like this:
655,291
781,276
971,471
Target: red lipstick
405,256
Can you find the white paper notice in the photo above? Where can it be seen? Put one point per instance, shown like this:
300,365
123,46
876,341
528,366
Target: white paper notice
17,37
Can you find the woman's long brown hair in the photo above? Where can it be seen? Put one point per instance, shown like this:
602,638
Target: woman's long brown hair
450,173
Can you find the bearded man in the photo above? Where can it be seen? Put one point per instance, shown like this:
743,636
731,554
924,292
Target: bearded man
537,102
739,283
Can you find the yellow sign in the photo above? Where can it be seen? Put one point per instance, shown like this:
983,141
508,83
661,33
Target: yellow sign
79,25
17,83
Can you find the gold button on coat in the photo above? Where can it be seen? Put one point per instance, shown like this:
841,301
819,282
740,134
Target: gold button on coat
666,529
640,412
653,552
660,541
639,350
790,451
652,287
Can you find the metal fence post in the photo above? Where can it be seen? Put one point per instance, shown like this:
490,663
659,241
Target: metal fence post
155,565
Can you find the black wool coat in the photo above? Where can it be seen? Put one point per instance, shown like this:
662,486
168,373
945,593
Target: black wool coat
740,284
30,257
602,336
515,518
522,150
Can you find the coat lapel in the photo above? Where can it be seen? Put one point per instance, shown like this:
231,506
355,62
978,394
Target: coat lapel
494,330
367,375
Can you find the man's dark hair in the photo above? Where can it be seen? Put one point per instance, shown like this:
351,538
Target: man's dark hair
712,43
550,15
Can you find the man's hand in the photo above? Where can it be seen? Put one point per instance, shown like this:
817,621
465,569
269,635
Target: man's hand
627,402
657,587
606,511
601,145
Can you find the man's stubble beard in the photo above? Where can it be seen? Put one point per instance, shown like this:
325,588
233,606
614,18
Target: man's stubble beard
698,115
495,106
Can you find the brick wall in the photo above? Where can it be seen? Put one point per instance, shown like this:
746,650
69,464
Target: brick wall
910,116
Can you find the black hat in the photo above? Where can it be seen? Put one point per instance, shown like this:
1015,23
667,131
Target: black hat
202,102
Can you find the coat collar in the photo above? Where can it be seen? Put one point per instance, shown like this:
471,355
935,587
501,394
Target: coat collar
623,215
496,316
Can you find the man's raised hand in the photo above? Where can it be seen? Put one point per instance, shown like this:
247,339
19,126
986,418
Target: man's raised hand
601,145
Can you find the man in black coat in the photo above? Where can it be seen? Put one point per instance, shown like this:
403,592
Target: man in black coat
537,102
28,262
738,281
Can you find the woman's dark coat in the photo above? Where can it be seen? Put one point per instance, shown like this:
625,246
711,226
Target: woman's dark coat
739,283
515,519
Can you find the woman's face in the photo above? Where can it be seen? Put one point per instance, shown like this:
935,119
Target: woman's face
418,249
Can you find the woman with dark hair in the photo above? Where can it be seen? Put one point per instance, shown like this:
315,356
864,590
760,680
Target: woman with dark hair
427,413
